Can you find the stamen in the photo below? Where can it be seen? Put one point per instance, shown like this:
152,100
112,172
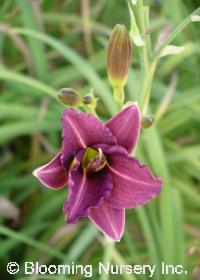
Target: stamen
74,162
100,153
93,160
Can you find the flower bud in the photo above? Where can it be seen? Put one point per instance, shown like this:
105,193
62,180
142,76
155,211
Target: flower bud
118,56
147,121
69,96
90,100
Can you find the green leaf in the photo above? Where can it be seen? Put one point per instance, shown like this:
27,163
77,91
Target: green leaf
83,66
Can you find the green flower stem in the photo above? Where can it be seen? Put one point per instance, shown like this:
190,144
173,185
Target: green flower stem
144,49
108,251
93,112
119,96
111,254
118,259
148,64
147,27
175,33
90,110
146,89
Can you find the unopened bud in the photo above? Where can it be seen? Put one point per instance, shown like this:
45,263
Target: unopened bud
118,56
90,100
147,121
69,96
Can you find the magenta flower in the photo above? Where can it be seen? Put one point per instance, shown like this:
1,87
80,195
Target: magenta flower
102,178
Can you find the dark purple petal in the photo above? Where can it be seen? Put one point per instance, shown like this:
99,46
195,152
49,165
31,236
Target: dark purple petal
133,183
81,130
110,150
126,126
109,220
85,191
53,174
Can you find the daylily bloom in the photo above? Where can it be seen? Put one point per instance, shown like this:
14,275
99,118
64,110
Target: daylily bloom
102,178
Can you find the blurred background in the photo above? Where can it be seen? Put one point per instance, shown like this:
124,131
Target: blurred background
48,45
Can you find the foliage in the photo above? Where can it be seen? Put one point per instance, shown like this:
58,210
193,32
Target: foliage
48,45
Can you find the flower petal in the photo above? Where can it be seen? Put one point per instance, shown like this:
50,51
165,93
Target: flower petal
85,191
133,183
109,220
126,126
81,130
53,174
110,150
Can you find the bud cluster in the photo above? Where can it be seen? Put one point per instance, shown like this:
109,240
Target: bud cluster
71,97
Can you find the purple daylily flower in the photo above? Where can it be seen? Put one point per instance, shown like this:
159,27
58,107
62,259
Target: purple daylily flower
94,162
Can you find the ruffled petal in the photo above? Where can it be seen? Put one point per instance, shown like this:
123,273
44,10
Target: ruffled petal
109,220
52,175
126,126
85,191
133,183
81,130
